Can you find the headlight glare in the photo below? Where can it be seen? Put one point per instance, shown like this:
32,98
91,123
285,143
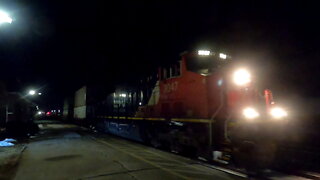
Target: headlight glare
250,113
278,113
241,77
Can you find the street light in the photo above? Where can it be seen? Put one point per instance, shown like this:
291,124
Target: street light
32,92
5,18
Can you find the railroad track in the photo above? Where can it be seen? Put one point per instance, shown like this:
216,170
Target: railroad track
166,161
143,152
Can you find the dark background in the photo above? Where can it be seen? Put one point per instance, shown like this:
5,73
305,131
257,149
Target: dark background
58,46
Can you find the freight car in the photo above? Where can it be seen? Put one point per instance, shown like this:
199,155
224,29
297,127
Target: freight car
202,105
17,115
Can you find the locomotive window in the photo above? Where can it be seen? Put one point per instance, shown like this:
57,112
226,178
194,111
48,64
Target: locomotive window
164,73
203,64
172,71
176,69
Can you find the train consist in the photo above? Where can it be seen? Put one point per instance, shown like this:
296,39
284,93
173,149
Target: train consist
203,105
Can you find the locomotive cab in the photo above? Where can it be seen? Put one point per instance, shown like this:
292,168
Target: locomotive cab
242,116
205,62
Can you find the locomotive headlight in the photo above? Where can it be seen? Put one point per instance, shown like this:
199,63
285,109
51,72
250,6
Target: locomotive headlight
278,113
250,113
241,77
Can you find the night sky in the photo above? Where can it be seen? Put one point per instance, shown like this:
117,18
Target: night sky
60,45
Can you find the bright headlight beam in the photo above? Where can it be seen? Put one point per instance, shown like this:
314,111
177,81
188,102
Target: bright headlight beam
250,113
203,53
5,18
278,113
241,77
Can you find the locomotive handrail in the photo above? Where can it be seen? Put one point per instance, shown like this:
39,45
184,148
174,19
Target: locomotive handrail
214,115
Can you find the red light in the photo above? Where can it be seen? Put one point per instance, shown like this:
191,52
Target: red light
48,113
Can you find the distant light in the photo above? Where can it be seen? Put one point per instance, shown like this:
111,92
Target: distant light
223,56
140,103
39,94
58,110
51,110
278,113
241,77
123,95
48,113
220,82
32,92
5,18
203,52
39,112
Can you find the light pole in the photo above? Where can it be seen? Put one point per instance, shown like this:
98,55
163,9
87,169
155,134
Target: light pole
5,18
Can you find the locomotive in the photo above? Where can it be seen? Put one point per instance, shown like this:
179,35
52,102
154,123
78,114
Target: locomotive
202,105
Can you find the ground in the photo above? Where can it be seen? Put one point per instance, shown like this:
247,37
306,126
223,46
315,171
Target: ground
63,151
66,151
9,158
